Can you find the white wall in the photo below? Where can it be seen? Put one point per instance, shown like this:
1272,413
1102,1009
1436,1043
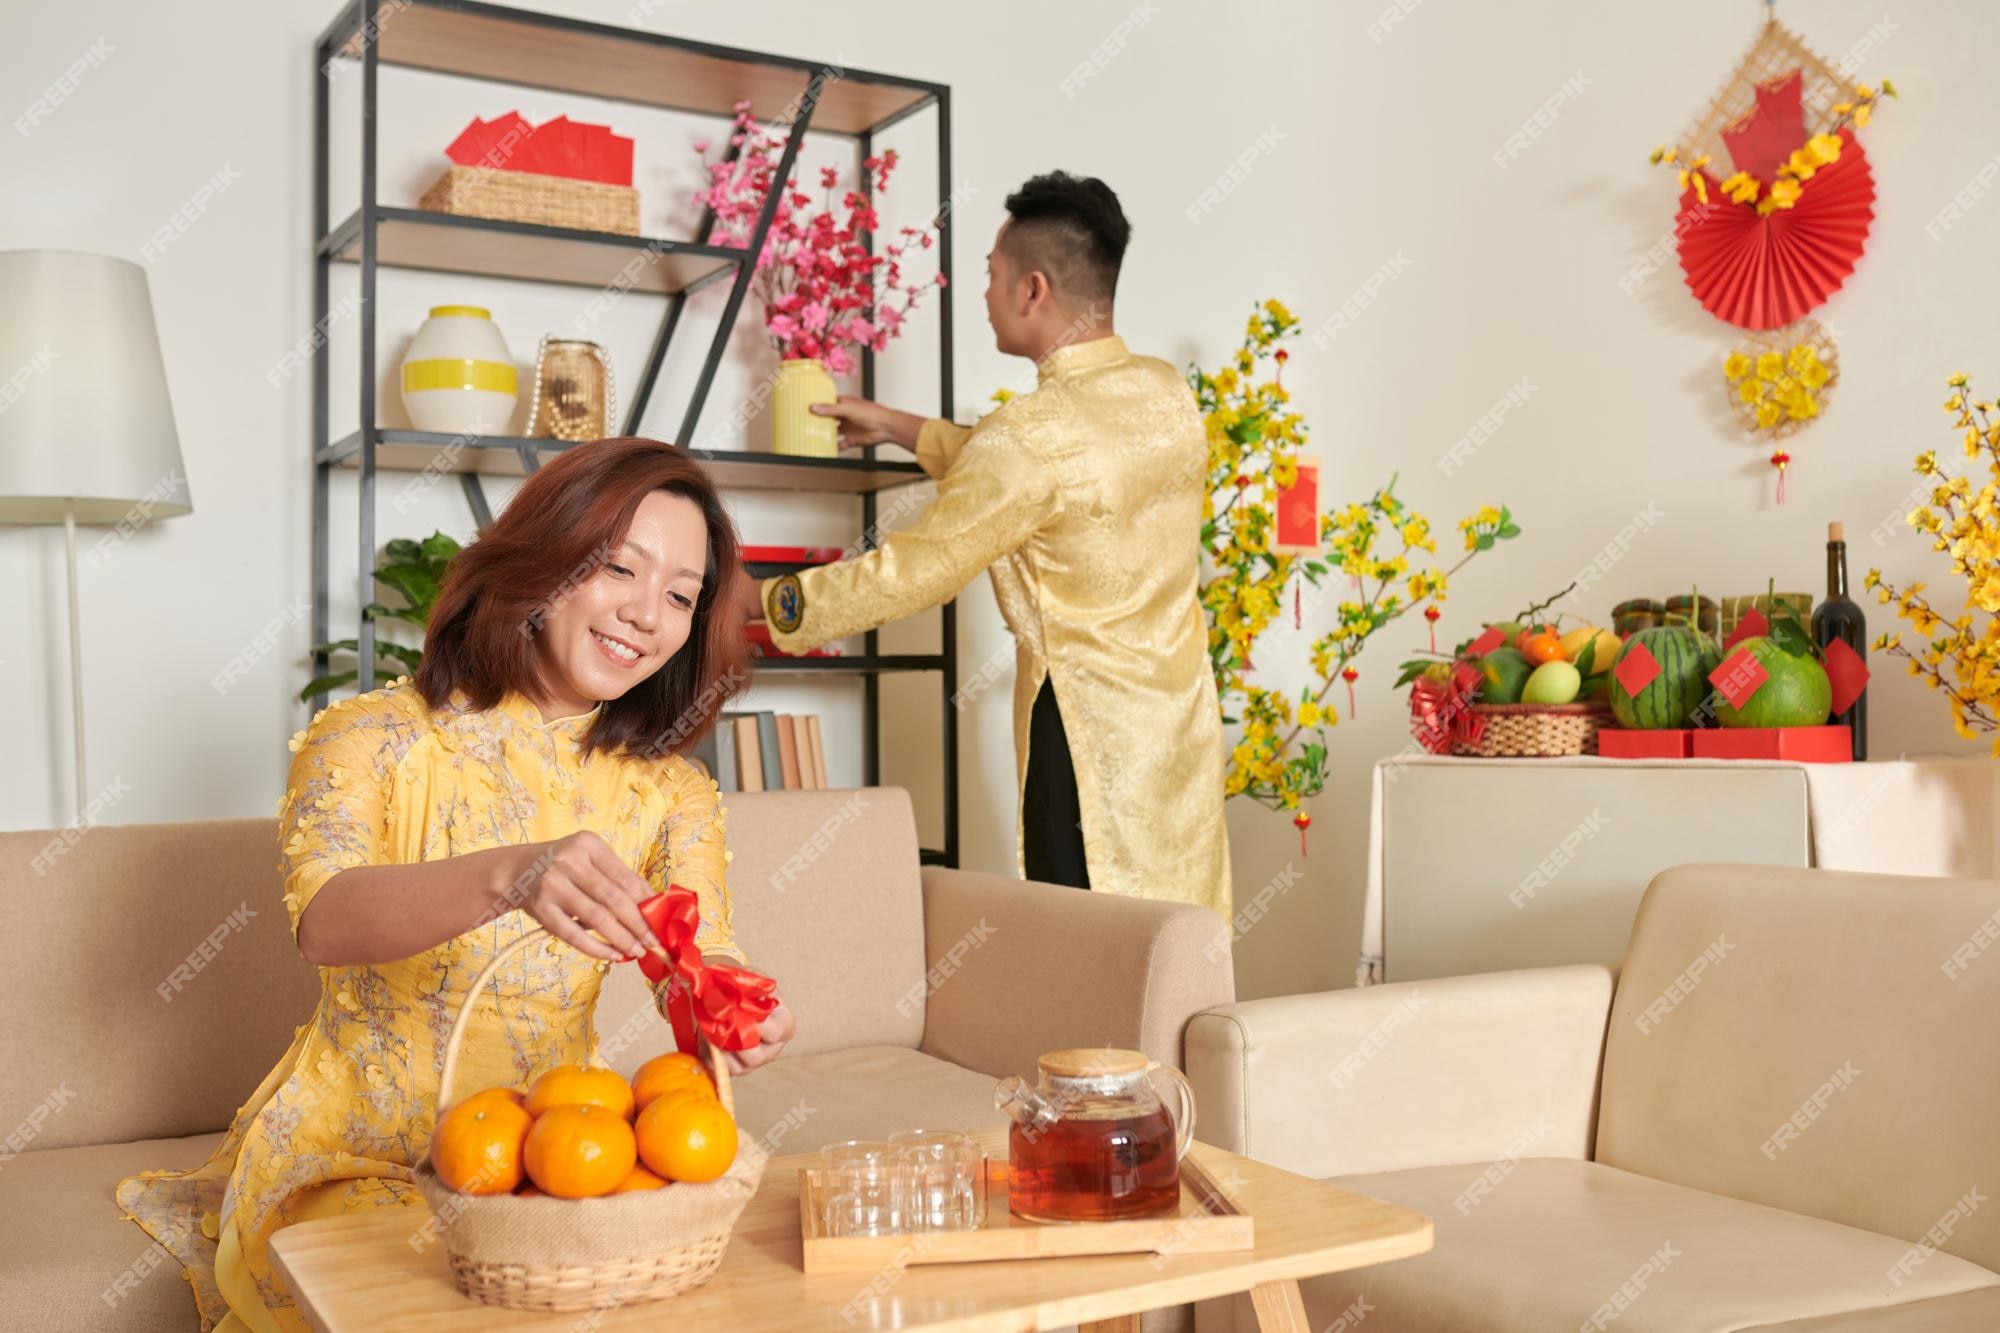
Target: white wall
1372,149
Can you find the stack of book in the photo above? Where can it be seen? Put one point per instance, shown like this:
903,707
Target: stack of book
764,752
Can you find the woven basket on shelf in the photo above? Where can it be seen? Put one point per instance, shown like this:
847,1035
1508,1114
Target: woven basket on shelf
1536,731
580,1254
525,196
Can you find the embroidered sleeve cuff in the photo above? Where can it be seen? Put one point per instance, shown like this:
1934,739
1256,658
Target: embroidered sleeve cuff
784,603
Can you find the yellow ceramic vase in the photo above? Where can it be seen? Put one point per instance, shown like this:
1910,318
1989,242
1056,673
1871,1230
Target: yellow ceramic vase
794,427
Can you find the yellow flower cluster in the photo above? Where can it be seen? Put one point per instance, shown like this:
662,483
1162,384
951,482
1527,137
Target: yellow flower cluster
1254,440
1821,150
1775,388
1962,655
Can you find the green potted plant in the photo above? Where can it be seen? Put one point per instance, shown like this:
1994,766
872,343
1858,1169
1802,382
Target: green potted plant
415,570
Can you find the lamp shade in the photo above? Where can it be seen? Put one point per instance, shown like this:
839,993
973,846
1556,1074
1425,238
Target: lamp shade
84,413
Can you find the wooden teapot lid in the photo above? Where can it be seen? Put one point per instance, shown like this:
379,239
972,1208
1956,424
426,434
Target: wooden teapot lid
1093,1062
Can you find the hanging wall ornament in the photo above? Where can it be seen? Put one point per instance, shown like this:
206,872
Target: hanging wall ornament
1779,382
1764,246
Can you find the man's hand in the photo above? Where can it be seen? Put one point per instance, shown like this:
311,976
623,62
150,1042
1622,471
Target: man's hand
863,423
747,596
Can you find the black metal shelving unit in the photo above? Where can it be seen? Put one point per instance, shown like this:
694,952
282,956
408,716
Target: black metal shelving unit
530,50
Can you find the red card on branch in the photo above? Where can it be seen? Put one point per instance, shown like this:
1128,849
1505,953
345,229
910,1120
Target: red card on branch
1753,622
1740,676
1848,673
1297,529
1636,669
1486,643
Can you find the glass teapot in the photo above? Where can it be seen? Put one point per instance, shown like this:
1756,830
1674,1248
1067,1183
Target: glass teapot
1092,1140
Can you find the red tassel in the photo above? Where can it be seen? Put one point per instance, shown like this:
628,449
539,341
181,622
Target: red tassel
1431,614
1303,821
1780,460
1350,675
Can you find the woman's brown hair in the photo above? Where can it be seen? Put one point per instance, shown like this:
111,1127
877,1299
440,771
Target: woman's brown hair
556,532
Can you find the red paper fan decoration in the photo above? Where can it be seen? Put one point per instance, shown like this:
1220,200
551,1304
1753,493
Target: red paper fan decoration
1763,272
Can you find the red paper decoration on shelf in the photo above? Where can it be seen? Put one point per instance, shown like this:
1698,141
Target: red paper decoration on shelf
561,147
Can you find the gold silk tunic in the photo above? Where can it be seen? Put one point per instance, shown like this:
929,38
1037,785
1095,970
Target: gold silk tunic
339,1124
1082,500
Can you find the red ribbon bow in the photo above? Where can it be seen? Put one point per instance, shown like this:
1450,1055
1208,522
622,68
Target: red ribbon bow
1441,711
726,1003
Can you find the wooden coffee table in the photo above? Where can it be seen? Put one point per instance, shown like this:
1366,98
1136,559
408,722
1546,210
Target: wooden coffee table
363,1272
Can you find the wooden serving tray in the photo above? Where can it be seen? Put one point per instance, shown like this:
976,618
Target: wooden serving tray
1209,1220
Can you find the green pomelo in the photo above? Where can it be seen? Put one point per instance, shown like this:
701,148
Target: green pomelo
1797,693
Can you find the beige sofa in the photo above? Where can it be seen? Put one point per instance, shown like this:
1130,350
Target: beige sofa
151,983
1785,1113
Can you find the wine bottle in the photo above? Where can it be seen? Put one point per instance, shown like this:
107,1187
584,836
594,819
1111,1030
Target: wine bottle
1839,618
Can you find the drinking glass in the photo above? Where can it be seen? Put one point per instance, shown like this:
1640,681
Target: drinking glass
862,1188
943,1176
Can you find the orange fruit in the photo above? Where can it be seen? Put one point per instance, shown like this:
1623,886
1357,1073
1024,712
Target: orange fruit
1521,639
1543,647
479,1148
638,1179
663,1073
491,1096
686,1138
579,1151
580,1085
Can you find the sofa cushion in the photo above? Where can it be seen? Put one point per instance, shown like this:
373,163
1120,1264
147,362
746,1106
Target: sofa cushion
865,1092
149,950
1815,1041
1558,1244
71,1257
824,887
1967,1312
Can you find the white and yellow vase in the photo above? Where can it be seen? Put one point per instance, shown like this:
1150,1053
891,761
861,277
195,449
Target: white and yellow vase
795,429
458,378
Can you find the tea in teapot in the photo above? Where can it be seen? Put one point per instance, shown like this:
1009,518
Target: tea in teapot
1092,1141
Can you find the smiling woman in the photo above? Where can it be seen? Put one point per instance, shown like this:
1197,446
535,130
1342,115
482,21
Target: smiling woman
531,776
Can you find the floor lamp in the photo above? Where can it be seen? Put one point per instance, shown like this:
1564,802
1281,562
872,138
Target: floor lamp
86,429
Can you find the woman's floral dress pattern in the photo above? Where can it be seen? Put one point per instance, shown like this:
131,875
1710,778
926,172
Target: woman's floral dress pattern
381,779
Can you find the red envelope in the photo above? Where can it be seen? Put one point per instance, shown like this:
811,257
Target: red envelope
1847,671
1486,642
1740,676
1636,669
1297,529
1753,622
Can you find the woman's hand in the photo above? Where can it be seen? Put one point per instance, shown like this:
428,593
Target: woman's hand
578,884
776,1030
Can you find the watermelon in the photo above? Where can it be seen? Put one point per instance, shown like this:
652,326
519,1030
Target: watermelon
1797,693
1671,698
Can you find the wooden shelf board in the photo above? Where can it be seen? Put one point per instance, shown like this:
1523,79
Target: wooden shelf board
511,46
448,243
733,469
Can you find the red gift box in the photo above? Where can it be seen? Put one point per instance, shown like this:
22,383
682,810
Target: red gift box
1804,745
1668,743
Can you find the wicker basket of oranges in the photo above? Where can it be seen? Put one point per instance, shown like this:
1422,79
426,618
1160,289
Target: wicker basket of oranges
587,1191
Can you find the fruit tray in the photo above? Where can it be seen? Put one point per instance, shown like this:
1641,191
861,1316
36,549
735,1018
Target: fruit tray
1210,1220
1536,731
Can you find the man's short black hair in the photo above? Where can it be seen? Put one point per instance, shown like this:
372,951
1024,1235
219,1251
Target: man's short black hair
1071,228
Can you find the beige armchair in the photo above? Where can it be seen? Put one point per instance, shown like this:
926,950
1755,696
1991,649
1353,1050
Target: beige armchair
152,983
1780,1116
